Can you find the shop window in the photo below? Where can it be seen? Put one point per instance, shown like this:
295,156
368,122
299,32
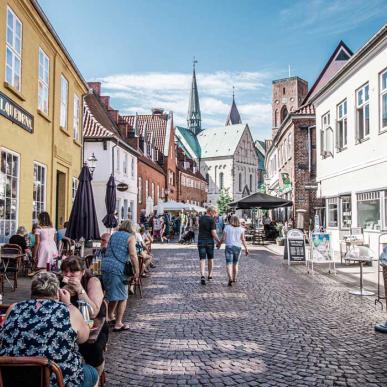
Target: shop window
345,212
332,212
9,189
368,210
362,113
39,191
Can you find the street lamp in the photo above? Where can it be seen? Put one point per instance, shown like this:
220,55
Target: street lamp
92,163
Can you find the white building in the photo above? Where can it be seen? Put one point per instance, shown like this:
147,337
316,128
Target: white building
351,122
102,138
227,159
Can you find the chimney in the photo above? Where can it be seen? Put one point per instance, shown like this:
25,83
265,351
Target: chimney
142,144
114,115
105,100
96,86
161,159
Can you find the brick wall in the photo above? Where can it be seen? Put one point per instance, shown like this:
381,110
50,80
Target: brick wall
191,194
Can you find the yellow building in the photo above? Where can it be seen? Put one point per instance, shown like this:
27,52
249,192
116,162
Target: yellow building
41,94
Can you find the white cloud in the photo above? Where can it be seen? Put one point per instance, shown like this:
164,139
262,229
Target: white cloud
132,93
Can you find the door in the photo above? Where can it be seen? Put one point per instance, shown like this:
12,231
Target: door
60,217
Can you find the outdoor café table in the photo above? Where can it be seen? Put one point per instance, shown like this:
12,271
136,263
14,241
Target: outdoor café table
96,330
361,291
5,259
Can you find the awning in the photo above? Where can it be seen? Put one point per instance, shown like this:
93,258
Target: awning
172,205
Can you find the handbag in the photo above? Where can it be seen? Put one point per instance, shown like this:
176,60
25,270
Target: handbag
128,268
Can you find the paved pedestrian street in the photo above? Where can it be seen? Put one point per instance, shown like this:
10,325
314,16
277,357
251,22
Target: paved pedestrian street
277,327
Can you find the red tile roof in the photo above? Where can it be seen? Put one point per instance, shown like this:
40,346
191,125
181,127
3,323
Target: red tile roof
155,126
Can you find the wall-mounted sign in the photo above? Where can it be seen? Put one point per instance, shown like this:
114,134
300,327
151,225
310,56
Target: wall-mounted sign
16,113
122,187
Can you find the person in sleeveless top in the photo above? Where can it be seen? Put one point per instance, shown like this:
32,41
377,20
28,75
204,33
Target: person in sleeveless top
49,325
121,247
234,238
83,286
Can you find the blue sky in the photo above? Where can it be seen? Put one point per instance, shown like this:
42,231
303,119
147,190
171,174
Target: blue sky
142,50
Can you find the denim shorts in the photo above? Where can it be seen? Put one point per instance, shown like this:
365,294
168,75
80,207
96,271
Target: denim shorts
90,376
232,254
206,249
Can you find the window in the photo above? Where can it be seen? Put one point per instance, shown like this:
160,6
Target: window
207,178
64,90
153,191
158,192
368,210
9,187
345,212
284,113
326,136
276,118
140,190
44,70
341,127
221,180
75,184
146,189
13,50
76,118
362,113
125,164
383,100
132,167
332,212
290,146
162,192
39,191
251,183
118,159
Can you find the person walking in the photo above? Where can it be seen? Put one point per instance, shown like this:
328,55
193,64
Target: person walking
234,238
206,242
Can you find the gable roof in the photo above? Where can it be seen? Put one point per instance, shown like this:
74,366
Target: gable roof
189,141
96,120
337,60
220,142
156,128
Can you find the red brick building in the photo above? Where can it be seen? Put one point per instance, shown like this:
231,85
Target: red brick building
291,158
192,187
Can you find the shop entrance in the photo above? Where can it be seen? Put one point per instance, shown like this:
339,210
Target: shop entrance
60,199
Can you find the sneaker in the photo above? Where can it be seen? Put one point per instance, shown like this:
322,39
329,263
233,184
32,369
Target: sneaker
203,281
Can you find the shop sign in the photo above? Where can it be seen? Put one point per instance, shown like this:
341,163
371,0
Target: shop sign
122,187
16,113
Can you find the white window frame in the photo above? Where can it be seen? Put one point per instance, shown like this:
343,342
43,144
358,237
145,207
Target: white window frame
383,93
14,51
74,188
118,159
332,201
362,106
370,196
43,186
64,96
125,164
76,117
326,136
43,81
146,189
139,189
341,126
342,199
132,167
2,194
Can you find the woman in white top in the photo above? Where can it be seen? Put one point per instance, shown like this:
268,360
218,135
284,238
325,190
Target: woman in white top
234,238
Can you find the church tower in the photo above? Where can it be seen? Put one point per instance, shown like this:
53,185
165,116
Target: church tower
234,116
194,120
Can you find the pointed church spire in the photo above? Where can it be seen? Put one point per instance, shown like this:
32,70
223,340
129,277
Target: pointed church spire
234,116
194,119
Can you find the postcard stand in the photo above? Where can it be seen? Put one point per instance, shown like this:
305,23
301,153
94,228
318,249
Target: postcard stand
320,251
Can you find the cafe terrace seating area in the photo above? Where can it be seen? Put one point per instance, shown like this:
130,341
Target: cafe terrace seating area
15,286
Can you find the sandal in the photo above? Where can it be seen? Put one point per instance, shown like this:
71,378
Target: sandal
125,327
112,322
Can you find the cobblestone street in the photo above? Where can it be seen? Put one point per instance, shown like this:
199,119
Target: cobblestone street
276,327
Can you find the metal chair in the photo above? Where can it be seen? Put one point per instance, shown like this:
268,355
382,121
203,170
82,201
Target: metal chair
13,266
31,371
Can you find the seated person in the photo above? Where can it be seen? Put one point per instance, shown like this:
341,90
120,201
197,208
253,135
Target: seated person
82,286
43,325
20,239
31,235
147,238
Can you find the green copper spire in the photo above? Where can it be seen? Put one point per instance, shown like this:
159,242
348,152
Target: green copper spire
194,119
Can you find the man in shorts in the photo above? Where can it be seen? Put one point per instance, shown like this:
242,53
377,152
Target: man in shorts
206,242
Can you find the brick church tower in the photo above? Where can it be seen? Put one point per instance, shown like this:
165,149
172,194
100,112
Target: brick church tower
288,95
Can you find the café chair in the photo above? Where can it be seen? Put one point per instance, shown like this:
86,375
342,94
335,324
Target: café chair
31,371
13,264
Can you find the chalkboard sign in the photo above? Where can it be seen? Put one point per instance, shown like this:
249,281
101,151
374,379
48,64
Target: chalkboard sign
295,246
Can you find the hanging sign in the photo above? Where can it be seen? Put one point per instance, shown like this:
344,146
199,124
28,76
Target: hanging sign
295,246
16,113
122,187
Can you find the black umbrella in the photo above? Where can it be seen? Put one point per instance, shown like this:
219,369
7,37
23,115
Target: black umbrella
260,200
83,219
110,221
